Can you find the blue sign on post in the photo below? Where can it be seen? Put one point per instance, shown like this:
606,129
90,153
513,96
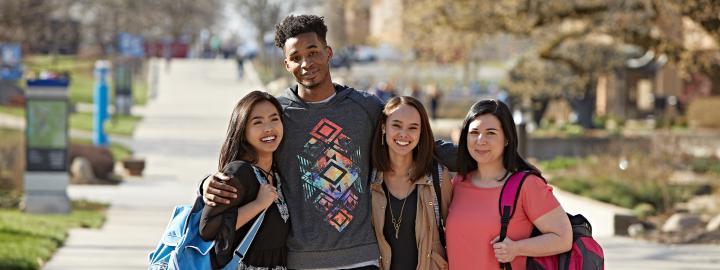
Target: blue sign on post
10,61
131,45
100,99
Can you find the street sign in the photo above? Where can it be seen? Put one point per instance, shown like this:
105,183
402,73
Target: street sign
10,61
131,45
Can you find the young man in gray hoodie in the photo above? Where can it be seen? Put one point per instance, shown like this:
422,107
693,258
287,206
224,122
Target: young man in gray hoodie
325,159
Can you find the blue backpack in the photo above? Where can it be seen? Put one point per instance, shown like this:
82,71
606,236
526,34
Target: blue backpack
182,248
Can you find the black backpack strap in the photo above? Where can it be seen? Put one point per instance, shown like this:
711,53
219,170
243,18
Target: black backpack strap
436,180
507,205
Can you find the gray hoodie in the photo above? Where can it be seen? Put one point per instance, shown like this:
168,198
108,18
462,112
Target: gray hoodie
324,160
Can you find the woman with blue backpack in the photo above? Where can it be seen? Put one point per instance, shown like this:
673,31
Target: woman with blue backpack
254,133
484,230
410,191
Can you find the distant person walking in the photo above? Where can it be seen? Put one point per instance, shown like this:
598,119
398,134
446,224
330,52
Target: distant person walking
415,91
215,46
167,53
384,91
434,94
240,59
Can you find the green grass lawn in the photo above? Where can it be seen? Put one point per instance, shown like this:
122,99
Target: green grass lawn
29,240
81,77
117,125
140,92
14,111
81,73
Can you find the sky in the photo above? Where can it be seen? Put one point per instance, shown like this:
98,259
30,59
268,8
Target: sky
233,22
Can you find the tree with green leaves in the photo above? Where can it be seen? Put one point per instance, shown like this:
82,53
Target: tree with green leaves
580,38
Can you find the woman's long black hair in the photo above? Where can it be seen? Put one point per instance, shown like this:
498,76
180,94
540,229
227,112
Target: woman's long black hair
512,161
235,146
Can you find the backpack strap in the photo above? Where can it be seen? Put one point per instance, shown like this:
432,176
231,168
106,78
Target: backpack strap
250,236
437,180
247,240
508,203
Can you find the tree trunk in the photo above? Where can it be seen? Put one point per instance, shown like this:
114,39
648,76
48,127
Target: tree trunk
538,107
584,106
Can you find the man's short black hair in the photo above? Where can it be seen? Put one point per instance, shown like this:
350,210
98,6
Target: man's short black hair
292,26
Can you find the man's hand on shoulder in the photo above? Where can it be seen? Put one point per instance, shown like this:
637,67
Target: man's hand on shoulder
216,190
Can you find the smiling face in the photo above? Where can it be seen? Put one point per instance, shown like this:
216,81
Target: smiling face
264,130
308,58
486,140
402,130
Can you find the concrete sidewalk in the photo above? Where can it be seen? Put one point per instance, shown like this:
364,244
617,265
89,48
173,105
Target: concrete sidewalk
629,254
179,137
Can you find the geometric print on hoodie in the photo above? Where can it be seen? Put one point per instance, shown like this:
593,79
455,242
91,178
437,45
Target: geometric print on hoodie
330,177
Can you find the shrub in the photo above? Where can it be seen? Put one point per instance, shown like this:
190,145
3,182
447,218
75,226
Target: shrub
560,163
644,210
705,165
12,159
10,199
644,180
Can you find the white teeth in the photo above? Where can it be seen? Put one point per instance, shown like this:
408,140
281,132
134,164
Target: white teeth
268,139
403,143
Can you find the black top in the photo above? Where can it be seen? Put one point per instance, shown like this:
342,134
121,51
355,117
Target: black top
268,249
404,248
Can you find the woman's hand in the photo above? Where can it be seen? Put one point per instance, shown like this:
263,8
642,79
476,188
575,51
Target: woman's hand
506,250
266,195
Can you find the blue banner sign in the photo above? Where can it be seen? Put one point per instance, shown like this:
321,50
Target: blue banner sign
10,61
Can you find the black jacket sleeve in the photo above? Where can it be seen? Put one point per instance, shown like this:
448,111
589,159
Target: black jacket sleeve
218,221
446,153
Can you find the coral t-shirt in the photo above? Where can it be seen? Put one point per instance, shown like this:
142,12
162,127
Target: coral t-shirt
474,220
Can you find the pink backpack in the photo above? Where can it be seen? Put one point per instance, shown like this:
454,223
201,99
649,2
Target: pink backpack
586,253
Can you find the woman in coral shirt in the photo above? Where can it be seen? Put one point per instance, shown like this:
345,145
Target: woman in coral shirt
488,142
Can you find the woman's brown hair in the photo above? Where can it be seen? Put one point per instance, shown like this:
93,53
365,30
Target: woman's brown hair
424,150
